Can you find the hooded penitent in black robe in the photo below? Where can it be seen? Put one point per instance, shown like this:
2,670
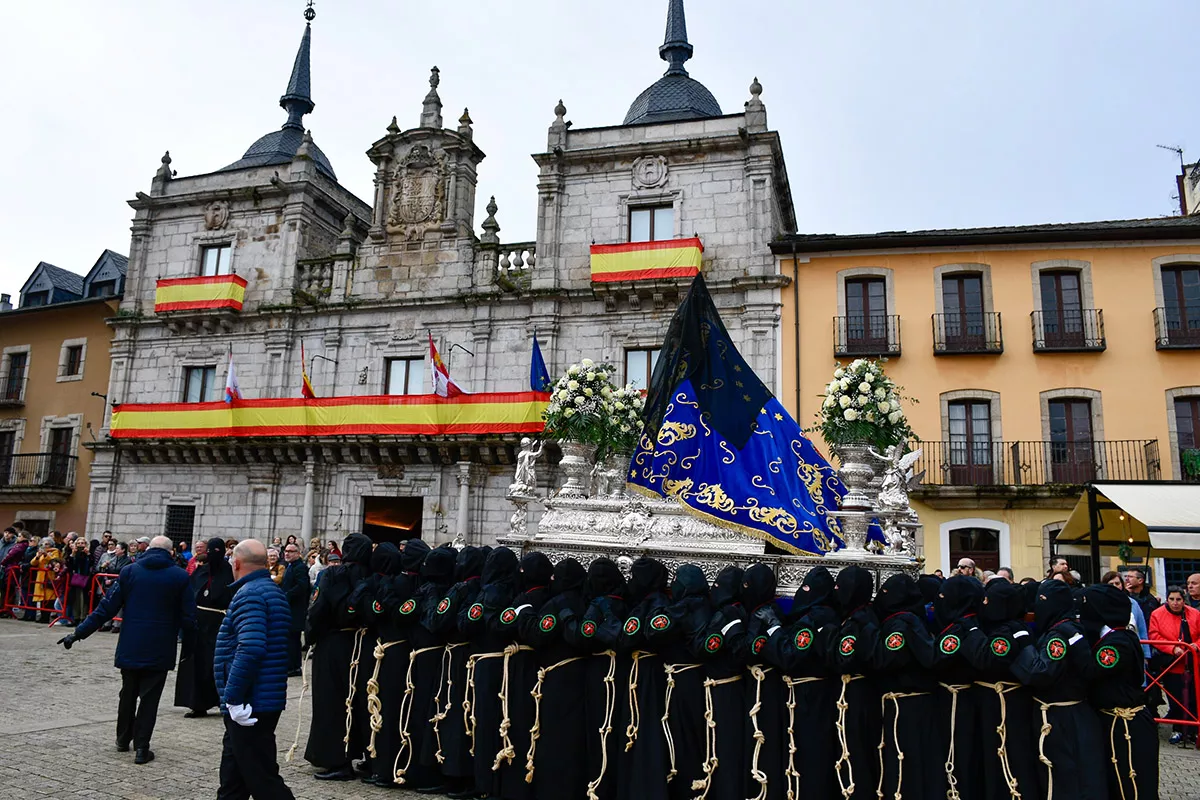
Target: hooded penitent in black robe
810,693
520,666
676,632
498,585
1113,669
766,732
849,649
722,647
448,748
642,751
194,686
423,674
1005,706
1073,745
384,564
332,632
556,762
596,632
913,765
954,612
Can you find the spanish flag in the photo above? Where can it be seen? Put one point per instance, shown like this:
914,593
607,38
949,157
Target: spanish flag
306,389
639,261
202,293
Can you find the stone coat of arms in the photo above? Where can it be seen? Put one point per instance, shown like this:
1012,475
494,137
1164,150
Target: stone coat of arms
418,193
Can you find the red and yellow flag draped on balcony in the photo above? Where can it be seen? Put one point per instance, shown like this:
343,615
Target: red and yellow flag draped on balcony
410,415
639,261
201,293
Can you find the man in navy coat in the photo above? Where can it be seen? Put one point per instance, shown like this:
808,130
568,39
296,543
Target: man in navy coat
156,603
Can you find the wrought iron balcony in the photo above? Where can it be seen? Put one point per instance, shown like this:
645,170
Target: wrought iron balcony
870,335
973,332
12,392
1010,464
1177,327
1068,331
37,475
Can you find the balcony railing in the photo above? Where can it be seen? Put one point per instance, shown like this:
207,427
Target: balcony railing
974,332
870,335
1074,330
44,471
12,391
1177,327
1036,463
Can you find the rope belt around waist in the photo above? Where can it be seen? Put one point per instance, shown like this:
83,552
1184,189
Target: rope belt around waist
291,753
406,707
374,706
535,732
635,711
951,778
359,635
1124,715
847,786
895,698
610,705
469,695
1045,732
672,670
759,674
791,774
220,611
1002,688
710,739
442,713
507,751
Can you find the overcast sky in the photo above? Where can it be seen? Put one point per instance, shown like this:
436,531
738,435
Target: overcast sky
907,115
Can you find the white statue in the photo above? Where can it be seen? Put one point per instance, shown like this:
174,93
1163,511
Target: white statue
526,479
893,494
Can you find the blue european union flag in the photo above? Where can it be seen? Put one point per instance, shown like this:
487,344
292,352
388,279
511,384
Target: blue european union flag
539,376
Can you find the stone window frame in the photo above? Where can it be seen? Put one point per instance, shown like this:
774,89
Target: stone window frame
48,516
972,268
889,292
1086,289
1174,260
987,395
15,425
202,240
73,422
187,362
389,355
1003,531
1177,393
62,376
179,499
11,350
1048,530
1097,407
629,201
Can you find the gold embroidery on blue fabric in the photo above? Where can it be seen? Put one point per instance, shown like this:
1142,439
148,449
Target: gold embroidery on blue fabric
732,458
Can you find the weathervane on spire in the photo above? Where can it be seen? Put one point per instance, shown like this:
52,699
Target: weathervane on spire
310,13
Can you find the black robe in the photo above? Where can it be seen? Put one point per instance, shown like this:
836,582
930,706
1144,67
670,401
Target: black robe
955,612
765,698
849,649
194,684
721,647
642,751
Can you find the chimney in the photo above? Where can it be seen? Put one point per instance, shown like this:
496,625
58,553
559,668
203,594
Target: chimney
5,302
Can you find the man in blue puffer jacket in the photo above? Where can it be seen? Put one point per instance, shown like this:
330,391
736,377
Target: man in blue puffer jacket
250,668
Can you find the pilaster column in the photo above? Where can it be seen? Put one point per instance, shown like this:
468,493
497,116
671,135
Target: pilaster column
306,515
464,500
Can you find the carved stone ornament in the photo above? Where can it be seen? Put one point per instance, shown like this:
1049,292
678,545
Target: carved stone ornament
418,193
216,215
650,172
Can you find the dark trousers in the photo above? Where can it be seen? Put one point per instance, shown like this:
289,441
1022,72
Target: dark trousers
293,651
249,767
137,709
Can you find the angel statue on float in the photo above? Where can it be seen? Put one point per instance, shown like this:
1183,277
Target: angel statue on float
893,494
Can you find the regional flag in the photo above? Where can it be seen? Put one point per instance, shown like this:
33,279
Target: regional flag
232,390
443,384
306,387
539,376
637,261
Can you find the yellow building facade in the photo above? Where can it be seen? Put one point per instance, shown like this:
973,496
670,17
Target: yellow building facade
1040,357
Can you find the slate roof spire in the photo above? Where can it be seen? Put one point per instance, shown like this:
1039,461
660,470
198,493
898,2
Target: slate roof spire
676,49
297,100
676,95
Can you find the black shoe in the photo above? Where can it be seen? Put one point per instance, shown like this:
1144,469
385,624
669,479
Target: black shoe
194,714
464,794
362,768
437,789
369,780
143,756
295,674
342,774
122,747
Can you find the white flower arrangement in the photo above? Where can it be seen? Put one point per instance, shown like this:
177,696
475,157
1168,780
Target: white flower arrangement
585,407
862,404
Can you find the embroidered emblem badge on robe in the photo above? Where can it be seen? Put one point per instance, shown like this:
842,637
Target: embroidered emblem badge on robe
950,644
713,643
475,612
377,607
588,629
1000,646
660,622
407,607
548,622
758,645
803,640
1107,657
509,616
895,641
444,606
632,625
1056,648
847,645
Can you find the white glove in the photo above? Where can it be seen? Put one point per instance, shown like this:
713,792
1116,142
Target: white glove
1019,634
241,715
1075,638
519,609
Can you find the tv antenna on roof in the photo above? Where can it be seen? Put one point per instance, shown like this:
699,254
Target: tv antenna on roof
1176,149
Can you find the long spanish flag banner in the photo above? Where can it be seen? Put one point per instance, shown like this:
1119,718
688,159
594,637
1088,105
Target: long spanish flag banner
210,292
639,261
410,415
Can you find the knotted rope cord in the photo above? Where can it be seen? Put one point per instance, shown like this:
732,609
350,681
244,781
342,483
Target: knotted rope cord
469,695
507,751
220,611
842,705
1123,714
1045,732
793,777
406,705
535,732
672,670
436,719
951,780
359,635
610,705
895,697
710,736
291,753
374,706
1001,688
760,777
635,711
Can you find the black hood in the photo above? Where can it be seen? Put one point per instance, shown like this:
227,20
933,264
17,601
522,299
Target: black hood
569,576
385,560
1031,593
356,550
959,596
853,589
216,550
413,555
727,588
689,582
898,593
468,564
604,578
646,577
758,586
1002,602
1054,602
816,590
929,585
536,570
438,566
501,567
1106,604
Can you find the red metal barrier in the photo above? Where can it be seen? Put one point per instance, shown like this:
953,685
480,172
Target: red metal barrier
18,593
1189,648
100,587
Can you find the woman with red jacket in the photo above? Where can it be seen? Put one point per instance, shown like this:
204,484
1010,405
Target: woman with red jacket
1178,622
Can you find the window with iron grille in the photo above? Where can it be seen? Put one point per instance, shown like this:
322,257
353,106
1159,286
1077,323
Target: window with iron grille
180,522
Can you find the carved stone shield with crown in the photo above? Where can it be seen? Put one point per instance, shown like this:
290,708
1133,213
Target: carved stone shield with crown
418,193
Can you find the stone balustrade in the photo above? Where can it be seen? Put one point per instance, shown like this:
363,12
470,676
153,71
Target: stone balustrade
314,278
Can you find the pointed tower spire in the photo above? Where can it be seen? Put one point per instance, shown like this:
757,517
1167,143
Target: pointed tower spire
297,100
675,49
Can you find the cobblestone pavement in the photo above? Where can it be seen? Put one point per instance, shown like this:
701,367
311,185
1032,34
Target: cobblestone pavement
59,711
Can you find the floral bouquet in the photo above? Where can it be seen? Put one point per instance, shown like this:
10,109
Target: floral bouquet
624,407
863,405
580,404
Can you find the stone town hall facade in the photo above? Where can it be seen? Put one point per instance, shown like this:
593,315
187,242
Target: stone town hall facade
360,285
